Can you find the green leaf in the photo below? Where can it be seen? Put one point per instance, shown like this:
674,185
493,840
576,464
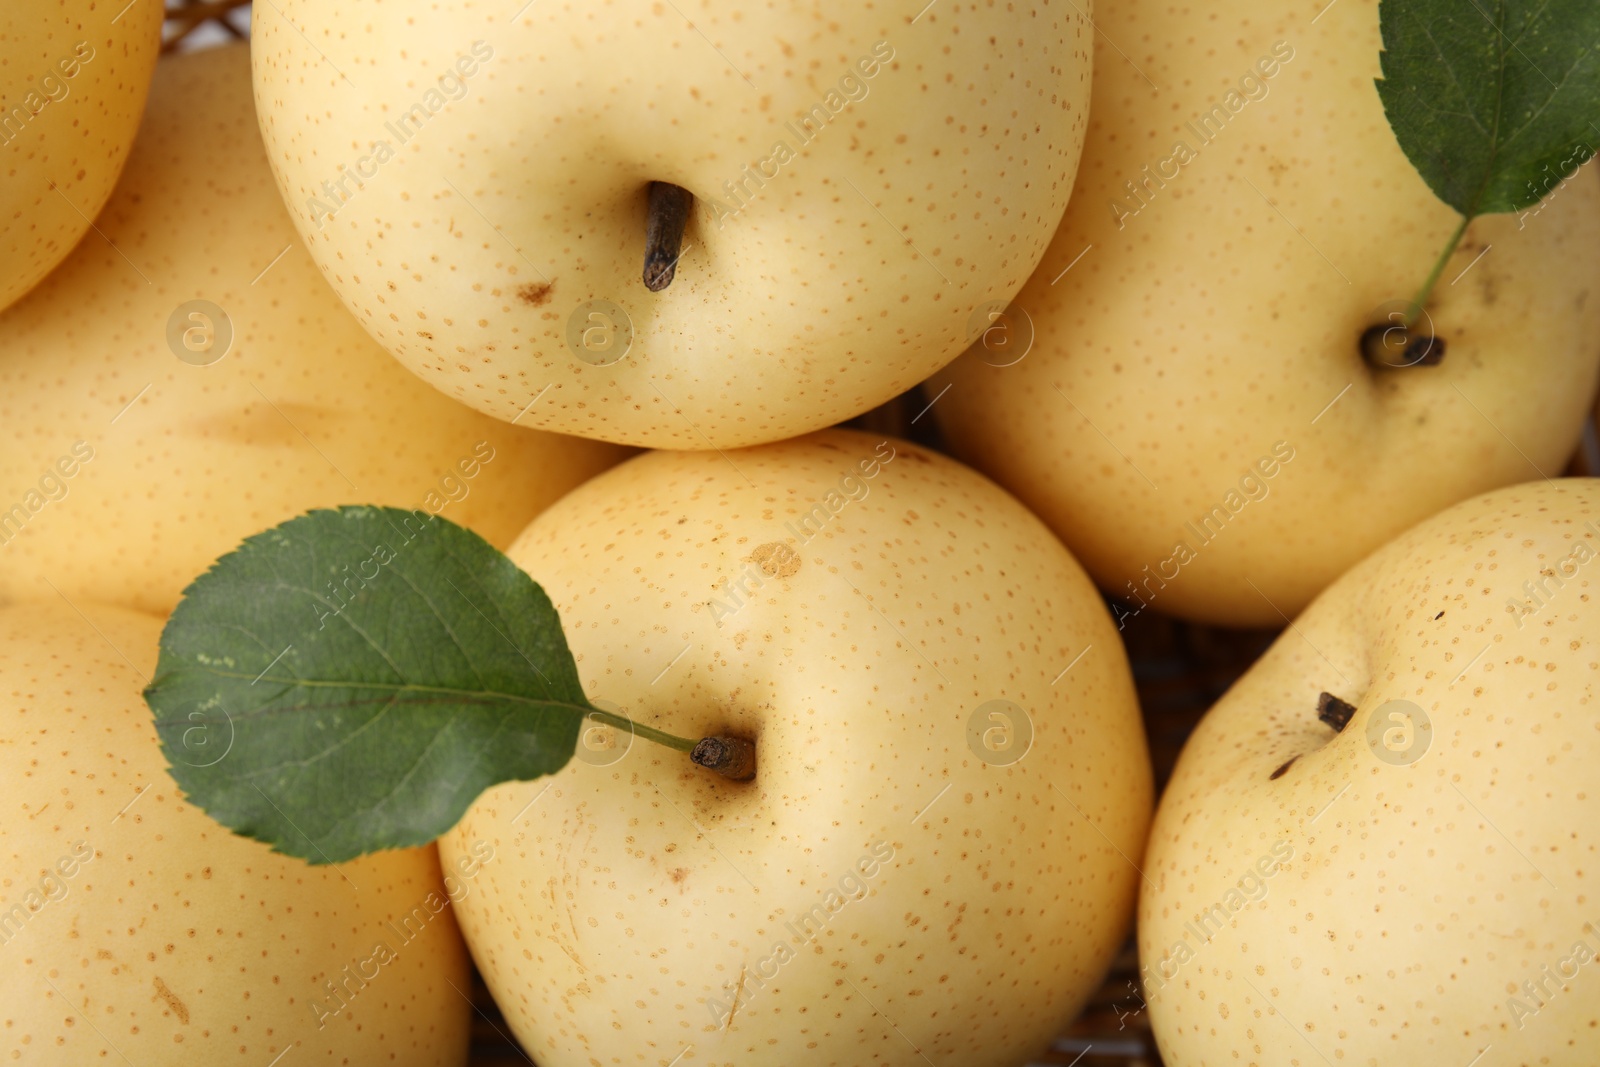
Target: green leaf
1494,101
351,681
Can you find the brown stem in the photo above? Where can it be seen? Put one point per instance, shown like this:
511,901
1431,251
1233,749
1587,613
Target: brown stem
1333,711
669,213
1400,346
731,757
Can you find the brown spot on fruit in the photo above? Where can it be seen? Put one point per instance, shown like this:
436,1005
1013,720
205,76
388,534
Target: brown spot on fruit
776,559
172,1000
679,874
535,294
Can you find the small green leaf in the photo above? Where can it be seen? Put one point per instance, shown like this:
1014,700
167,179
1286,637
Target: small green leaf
1494,101
351,681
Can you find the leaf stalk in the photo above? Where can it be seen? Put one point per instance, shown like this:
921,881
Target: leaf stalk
732,757
649,733
1420,301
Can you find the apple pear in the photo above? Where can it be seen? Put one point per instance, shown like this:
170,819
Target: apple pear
135,930
72,86
935,859
1194,417
1375,849
194,381
697,226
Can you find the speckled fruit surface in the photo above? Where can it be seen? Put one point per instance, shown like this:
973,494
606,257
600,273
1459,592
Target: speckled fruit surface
1218,314
133,929
890,886
73,79
471,214
1427,889
187,457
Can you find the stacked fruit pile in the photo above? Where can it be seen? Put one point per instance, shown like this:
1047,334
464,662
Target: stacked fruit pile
655,502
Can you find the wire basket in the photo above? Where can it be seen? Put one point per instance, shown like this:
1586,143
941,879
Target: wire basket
1180,670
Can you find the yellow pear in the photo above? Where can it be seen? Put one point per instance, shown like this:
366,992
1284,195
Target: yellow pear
935,860
195,381
133,929
72,86
866,181
1194,417
1414,887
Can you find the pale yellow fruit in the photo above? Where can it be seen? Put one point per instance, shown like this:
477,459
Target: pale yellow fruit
1224,318
187,460
73,82
1419,869
133,929
959,907
816,281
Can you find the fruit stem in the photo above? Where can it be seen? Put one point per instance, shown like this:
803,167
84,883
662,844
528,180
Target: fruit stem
731,757
1335,712
1421,299
669,213
1397,346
